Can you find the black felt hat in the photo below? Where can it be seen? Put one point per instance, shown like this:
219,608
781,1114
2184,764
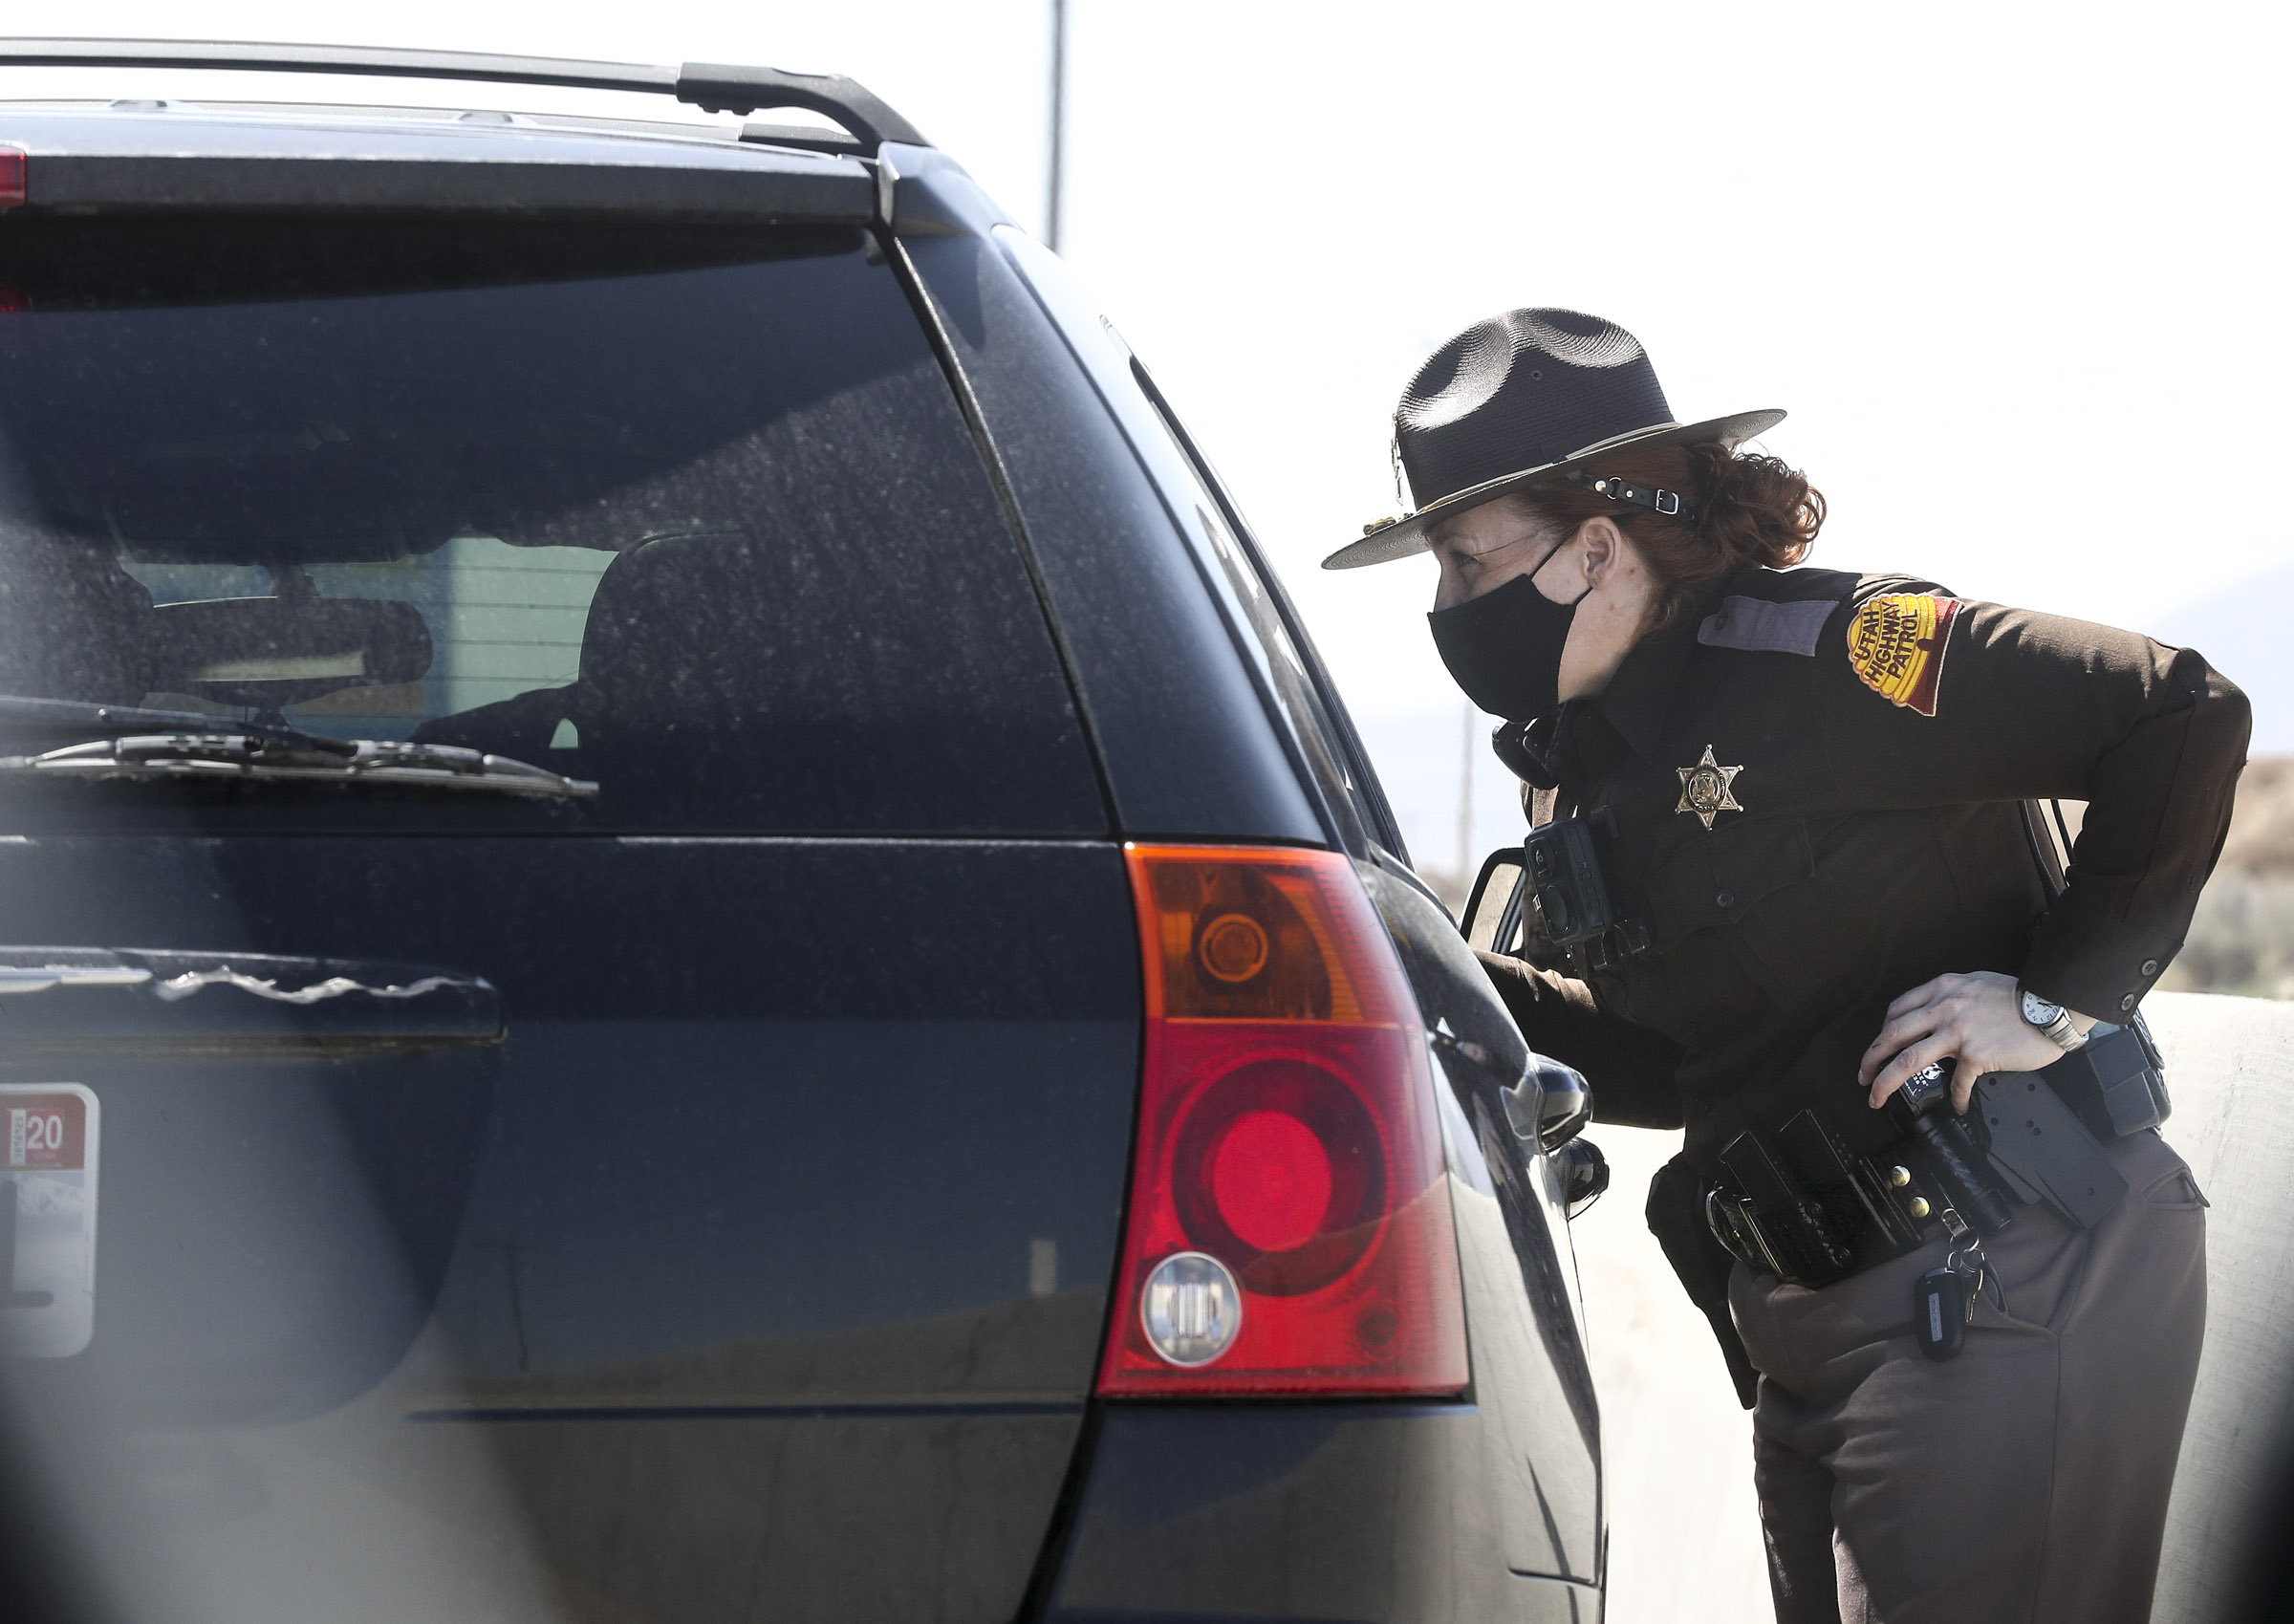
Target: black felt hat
1528,395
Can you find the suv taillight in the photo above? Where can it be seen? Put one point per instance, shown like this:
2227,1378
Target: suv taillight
1289,1227
11,176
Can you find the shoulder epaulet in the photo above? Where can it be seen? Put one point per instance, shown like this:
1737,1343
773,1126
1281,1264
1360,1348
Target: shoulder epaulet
1761,627
1786,614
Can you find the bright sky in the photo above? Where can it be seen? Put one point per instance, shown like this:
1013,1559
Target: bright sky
2017,271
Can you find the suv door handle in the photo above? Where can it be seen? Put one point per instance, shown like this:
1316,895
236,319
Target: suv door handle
109,998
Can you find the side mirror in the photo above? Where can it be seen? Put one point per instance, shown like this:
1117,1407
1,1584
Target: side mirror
1583,1175
1550,1105
1492,921
280,651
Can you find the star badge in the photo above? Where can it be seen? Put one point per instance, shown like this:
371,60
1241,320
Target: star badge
1708,787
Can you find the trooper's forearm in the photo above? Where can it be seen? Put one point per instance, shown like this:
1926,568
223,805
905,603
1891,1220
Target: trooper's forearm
1630,1069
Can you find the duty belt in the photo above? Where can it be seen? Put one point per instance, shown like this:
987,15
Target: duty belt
1801,1207
1799,1204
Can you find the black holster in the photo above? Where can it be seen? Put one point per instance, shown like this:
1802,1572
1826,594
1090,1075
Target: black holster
1677,1218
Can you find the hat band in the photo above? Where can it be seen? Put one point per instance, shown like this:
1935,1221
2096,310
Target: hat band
1617,489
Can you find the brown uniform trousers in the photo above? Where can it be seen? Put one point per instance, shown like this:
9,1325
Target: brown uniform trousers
2024,1482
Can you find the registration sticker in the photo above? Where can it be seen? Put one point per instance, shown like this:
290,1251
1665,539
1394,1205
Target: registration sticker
48,1143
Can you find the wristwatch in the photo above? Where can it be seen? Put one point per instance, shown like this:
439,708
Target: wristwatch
2053,1021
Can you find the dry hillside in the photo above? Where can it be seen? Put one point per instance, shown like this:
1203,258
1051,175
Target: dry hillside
2242,939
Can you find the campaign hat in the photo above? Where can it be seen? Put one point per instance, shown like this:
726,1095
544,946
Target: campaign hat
1527,396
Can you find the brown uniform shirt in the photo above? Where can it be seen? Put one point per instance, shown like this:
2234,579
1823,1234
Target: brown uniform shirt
1873,737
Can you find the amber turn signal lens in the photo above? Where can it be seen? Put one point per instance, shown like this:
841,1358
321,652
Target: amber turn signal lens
1252,940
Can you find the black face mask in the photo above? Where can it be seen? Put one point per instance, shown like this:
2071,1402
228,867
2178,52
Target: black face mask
1504,648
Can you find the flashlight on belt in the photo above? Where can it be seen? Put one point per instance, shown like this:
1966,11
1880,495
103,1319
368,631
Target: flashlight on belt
1922,1109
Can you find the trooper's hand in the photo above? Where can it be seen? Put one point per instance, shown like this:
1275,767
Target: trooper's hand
1974,1018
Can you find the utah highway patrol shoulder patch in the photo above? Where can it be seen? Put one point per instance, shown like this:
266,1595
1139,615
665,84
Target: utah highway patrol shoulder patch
1897,644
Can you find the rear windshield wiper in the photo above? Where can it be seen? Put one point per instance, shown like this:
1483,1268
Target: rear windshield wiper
282,755
22,715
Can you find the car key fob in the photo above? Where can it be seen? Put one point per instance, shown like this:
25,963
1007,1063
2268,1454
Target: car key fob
1940,1307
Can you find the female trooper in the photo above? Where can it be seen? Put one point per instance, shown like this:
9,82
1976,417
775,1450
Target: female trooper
1806,793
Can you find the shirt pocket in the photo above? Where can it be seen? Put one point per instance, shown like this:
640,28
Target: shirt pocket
1710,880
1755,884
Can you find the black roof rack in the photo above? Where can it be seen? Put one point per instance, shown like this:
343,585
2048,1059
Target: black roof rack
712,86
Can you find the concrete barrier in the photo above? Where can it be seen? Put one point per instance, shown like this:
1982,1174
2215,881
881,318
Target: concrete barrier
1684,1538
2230,1065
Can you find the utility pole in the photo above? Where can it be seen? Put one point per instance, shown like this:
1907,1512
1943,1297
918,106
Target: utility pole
1059,121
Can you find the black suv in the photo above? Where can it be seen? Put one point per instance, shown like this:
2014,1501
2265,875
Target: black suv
700,923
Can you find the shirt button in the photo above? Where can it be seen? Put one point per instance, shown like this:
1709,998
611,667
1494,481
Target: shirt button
2150,967
1725,898
2128,1001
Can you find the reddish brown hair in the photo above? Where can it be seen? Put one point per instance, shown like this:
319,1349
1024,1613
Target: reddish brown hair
1751,509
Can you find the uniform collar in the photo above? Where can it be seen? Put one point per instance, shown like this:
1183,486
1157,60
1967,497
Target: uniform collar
1640,694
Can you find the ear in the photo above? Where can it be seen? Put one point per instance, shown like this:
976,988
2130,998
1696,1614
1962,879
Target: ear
1604,551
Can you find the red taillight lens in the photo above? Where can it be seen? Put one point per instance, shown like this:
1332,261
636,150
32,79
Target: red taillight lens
1286,1130
11,176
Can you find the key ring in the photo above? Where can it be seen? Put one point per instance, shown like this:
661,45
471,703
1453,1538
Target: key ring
1982,1264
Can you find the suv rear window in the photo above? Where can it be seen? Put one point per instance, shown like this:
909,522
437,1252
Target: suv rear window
686,511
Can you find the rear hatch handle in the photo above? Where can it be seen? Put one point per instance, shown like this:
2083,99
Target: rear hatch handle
109,998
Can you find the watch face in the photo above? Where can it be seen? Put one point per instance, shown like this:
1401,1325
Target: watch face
2038,1012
